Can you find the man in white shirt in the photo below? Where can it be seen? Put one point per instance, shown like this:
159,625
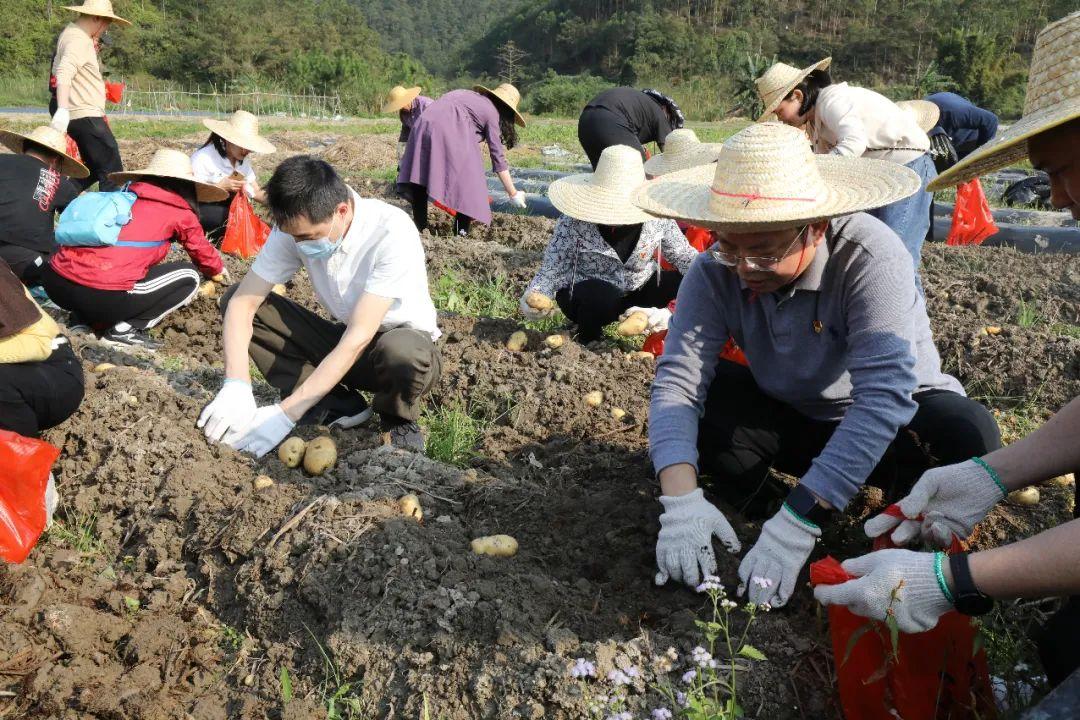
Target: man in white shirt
367,268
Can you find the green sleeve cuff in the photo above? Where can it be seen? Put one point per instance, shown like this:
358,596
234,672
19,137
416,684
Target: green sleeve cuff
800,518
939,557
993,475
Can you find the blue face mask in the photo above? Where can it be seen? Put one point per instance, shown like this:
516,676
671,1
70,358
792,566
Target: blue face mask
322,248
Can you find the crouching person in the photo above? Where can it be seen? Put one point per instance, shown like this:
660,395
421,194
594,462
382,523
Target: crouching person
41,380
844,386
120,287
367,268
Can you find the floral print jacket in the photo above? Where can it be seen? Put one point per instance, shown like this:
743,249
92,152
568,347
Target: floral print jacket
577,252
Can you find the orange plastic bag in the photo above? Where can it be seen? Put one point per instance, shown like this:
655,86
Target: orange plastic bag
24,474
699,238
731,351
938,674
114,92
73,148
245,233
972,221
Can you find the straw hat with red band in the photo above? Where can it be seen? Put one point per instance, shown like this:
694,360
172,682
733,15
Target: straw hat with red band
241,129
767,178
506,94
174,165
778,82
46,138
98,8
682,150
1053,99
400,98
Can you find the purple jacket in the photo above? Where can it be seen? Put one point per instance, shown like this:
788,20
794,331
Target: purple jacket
411,114
443,153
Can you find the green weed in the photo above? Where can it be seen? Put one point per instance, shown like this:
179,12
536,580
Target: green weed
232,640
285,685
452,433
336,694
1012,655
1066,329
1026,315
172,363
493,297
77,531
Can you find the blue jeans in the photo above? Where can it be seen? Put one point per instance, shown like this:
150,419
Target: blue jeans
910,218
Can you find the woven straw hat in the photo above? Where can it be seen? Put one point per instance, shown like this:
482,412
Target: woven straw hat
168,163
49,139
682,150
778,82
1053,99
241,129
926,113
98,8
400,98
508,95
603,196
768,178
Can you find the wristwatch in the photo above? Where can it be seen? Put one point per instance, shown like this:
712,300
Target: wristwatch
803,502
967,598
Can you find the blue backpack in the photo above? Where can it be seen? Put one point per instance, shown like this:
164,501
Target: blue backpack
95,219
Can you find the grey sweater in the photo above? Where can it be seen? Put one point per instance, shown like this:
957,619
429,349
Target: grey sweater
848,341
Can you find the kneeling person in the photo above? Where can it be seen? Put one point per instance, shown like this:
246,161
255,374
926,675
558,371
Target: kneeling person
367,268
844,386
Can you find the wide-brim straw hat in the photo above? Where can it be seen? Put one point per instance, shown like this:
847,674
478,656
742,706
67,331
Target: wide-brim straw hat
1053,99
682,150
778,82
768,178
241,129
508,95
926,113
98,8
49,139
400,98
603,196
175,165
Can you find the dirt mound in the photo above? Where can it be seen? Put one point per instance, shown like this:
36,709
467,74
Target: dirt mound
364,153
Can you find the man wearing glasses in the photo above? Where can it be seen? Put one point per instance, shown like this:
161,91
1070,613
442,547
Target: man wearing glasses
844,385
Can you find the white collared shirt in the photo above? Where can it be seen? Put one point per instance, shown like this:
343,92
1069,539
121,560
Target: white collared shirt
381,254
210,167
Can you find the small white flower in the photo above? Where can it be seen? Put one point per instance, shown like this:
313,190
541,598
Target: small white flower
688,676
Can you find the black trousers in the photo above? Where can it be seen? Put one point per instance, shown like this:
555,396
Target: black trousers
592,304
27,264
418,197
744,433
213,216
288,342
1058,640
165,288
36,396
99,152
600,128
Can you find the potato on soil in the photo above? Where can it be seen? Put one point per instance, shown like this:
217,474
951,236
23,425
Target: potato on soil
1062,481
538,301
555,341
991,330
641,355
208,289
594,399
262,482
104,367
410,507
1025,496
320,455
634,325
517,341
618,413
291,452
495,545
278,290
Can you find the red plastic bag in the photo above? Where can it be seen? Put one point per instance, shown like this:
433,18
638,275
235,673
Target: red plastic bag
972,221
73,148
699,238
941,673
24,474
246,233
114,92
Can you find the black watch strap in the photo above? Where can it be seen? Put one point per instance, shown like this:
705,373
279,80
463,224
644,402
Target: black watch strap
967,597
805,504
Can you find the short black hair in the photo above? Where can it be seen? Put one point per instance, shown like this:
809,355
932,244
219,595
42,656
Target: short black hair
810,86
305,186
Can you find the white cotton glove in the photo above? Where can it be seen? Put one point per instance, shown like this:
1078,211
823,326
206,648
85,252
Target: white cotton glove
950,499
52,499
61,119
531,313
772,566
230,410
684,549
658,318
518,200
268,427
919,600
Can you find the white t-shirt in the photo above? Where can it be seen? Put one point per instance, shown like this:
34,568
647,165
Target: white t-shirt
210,167
381,254
856,122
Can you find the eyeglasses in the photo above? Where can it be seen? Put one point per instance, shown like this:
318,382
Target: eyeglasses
765,263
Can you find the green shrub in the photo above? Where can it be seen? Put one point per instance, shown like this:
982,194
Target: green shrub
563,95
